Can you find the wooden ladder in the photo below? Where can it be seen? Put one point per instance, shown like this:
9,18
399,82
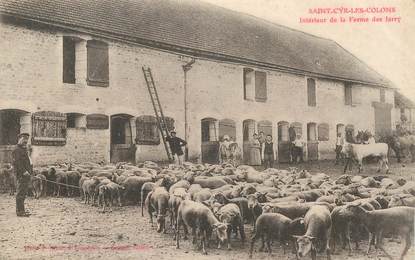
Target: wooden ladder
161,122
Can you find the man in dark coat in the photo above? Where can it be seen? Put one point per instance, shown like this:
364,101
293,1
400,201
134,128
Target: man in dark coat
23,169
176,144
268,152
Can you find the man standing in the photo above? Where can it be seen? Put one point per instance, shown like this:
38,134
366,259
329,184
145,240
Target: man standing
176,144
339,147
292,135
23,169
268,152
224,151
298,149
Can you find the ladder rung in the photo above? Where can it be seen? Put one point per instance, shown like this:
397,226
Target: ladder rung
157,107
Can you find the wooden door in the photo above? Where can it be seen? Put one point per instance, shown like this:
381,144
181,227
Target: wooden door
122,147
210,152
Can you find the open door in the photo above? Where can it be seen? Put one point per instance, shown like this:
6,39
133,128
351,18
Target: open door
122,145
210,140
9,130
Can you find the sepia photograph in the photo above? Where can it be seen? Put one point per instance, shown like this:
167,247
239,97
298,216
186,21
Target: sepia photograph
207,129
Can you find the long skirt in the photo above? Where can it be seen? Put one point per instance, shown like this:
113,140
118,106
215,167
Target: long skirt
254,157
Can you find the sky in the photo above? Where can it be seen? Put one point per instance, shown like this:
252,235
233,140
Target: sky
387,46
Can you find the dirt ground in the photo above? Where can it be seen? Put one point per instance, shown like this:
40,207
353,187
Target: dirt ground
65,228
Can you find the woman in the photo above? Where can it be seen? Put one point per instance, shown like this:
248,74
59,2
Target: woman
255,152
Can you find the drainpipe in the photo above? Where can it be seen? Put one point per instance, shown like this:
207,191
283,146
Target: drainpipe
186,68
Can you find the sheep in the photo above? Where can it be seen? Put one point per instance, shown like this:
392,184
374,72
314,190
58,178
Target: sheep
269,225
397,220
402,200
175,199
318,225
230,214
198,216
158,201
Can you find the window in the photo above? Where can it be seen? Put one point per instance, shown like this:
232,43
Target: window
97,63
206,131
68,60
323,132
382,95
311,132
255,85
283,133
75,120
249,84
147,130
70,120
311,92
209,128
260,86
348,94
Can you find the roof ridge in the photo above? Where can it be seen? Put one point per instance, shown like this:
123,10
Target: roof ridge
381,77
266,21
215,30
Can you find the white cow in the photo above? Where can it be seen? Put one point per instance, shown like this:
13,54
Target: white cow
359,151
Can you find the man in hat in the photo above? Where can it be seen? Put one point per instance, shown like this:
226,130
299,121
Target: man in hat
23,169
176,144
224,152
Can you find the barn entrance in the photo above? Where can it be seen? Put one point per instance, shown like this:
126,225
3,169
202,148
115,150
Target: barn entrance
210,140
312,142
122,146
9,130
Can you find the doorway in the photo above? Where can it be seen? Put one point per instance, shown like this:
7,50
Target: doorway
9,130
122,146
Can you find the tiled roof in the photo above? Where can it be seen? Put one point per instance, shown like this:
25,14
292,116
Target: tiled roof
195,26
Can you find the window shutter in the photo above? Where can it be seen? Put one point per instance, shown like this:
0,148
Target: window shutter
97,121
311,91
347,94
147,130
48,128
260,86
97,64
323,132
68,60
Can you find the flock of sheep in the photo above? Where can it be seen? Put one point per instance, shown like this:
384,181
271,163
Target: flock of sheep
309,212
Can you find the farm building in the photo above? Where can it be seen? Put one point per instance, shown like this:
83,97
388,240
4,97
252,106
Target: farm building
71,75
